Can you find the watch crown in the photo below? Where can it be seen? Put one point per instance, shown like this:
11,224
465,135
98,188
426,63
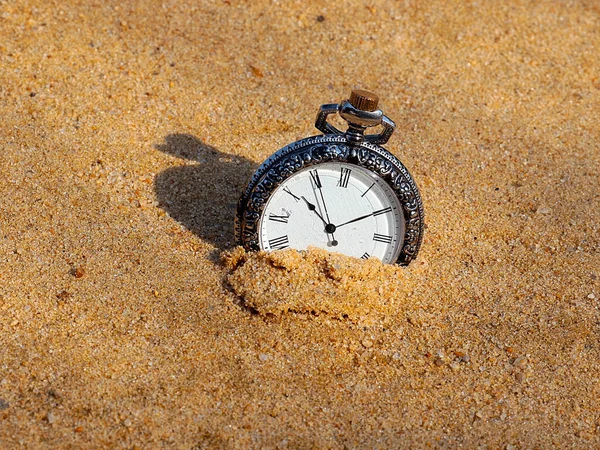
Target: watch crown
364,100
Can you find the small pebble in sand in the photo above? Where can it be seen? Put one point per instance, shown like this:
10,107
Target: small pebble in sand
544,210
591,296
438,361
367,343
257,71
78,272
520,362
51,417
462,356
63,295
519,376
3,404
263,357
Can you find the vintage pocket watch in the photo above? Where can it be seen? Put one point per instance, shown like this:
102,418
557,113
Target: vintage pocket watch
340,191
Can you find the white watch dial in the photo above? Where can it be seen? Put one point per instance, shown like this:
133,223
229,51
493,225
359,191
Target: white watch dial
340,207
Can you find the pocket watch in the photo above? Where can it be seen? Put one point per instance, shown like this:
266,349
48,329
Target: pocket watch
340,191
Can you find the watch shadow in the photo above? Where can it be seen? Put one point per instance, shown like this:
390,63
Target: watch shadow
202,197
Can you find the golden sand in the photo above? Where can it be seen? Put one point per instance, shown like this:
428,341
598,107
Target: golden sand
129,129
318,282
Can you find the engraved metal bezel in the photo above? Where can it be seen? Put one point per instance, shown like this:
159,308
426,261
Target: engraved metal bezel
330,148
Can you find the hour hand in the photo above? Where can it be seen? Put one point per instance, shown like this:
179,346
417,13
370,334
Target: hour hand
312,207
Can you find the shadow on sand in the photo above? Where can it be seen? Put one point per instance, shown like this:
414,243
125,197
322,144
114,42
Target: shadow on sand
203,197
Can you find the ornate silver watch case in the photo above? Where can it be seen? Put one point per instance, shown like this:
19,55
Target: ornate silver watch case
352,146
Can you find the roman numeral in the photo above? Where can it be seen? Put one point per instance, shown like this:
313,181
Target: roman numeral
279,243
382,211
275,218
368,190
287,190
365,256
344,177
315,177
382,238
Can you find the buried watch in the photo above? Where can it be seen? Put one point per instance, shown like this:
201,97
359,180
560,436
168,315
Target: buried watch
340,191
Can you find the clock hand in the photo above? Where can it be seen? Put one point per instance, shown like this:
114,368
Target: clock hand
374,213
355,220
329,227
315,182
324,205
313,208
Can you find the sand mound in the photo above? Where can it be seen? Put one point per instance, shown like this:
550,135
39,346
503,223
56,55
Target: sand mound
317,282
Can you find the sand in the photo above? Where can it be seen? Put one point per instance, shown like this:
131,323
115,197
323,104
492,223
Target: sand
318,282
130,128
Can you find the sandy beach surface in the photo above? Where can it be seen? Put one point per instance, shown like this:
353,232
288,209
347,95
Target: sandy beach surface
128,319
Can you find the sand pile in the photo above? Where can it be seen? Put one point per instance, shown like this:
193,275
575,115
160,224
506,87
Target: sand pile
318,282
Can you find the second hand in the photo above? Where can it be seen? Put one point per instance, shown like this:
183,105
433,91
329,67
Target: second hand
316,182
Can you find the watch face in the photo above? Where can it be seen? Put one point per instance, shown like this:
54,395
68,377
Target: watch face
338,206
358,200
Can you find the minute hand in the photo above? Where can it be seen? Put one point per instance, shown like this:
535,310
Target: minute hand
355,220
